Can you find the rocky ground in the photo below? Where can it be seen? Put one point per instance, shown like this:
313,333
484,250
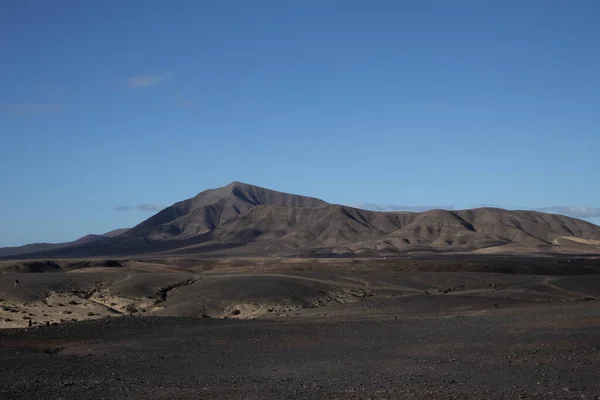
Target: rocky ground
549,351
252,331
91,293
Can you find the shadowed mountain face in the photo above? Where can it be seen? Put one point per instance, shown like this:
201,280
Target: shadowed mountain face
241,220
37,247
213,208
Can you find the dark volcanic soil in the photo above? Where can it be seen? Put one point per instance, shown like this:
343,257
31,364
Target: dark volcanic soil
533,352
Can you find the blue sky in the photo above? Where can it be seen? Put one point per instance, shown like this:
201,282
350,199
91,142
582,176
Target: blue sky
134,105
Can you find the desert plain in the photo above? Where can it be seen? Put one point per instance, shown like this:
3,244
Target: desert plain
429,327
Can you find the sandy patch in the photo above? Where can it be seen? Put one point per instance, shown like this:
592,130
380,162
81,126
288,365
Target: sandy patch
55,309
578,240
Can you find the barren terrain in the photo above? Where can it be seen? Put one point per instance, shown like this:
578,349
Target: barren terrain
322,328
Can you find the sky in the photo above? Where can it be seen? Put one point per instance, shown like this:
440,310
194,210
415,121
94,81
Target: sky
111,110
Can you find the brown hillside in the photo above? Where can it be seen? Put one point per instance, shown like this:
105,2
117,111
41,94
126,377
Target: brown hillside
240,219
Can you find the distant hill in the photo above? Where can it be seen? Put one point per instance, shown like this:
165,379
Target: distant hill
247,220
37,247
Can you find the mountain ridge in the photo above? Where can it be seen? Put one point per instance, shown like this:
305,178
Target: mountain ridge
241,219
37,247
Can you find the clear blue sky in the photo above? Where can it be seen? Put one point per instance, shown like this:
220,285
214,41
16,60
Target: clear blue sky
117,104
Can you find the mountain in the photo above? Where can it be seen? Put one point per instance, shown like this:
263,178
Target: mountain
212,208
341,230
37,247
247,220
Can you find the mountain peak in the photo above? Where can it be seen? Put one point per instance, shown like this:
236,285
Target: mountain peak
212,208
237,183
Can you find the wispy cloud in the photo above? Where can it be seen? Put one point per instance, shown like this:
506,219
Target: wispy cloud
54,89
141,207
395,207
484,205
150,207
30,108
577,212
572,211
145,81
183,101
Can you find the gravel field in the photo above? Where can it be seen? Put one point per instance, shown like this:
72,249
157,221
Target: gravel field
529,352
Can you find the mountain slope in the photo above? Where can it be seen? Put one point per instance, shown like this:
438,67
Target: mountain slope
38,247
241,219
211,208
336,229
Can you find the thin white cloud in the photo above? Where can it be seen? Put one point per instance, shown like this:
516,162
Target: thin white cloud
572,211
183,101
145,81
54,89
577,212
395,207
141,207
150,207
31,108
